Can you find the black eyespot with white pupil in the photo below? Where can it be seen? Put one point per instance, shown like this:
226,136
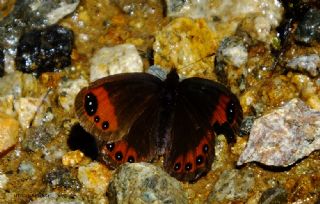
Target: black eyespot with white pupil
231,110
199,159
130,159
119,156
188,166
205,148
105,125
177,166
110,147
90,104
96,119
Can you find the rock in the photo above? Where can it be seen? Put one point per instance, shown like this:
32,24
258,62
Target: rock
18,84
232,54
1,62
27,108
6,105
308,29
232,185
224,16
283,136
144,183
193,9
114,60
28,15
95,177
275,195
9,131
38,137
44,50
308,63
68,89
62,178
27,167
183,44
53,198
3,180
72,158
246,125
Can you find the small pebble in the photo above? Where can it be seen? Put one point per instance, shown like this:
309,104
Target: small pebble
72,158
9,130
95,177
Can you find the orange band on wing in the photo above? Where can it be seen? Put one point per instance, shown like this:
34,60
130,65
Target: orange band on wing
105,114
219,114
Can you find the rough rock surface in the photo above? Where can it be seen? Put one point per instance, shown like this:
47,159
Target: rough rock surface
283,136
144,183
307,63
44,50
114,60
232,185
9,130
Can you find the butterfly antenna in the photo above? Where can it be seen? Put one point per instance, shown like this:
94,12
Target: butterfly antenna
38,108
192,63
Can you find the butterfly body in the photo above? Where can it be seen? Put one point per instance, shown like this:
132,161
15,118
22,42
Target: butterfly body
138,117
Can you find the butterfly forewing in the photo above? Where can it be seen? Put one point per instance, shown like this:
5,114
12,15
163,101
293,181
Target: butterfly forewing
108,107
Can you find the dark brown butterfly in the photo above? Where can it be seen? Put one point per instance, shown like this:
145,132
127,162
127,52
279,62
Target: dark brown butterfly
138,117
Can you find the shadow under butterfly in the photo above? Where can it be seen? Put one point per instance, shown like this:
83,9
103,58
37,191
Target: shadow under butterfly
139,117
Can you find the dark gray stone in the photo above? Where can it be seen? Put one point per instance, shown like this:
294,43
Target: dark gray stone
275,195
62,178
144,183
308,29
37,137
232,185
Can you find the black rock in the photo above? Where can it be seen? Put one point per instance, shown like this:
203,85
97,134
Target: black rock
1,62
44,50
308,29
275,195
246,125
62,178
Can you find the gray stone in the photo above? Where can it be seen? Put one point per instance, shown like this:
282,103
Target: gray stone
275,195
308,63
232,185
62,178
144,183
308,29
37,137
283,136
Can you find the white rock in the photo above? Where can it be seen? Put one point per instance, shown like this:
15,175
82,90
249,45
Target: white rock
237,54
3,180
308,63
230,13
26,108
68,90
113,60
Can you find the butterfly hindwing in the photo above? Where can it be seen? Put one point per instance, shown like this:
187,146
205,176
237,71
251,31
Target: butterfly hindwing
203,108
140,143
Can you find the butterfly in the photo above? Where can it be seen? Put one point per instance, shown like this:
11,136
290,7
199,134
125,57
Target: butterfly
139,117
